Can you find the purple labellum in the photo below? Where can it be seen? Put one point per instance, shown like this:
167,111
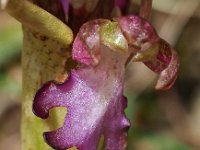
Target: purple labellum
93,97
93,93
93,110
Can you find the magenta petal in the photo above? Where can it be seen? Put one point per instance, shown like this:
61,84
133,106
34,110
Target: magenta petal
93,97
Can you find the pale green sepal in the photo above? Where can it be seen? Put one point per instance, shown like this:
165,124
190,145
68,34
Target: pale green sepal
112,36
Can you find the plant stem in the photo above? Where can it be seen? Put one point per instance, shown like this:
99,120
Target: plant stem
43,59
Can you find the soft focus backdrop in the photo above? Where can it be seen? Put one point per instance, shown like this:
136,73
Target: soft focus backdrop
168,120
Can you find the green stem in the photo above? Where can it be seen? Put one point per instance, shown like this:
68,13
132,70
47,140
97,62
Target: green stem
43,59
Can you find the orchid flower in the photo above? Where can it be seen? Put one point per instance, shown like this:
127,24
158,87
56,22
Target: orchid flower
93,92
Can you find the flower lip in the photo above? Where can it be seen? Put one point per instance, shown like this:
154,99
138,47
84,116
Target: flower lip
93,94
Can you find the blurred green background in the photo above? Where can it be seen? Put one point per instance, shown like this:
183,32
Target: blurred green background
168,120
